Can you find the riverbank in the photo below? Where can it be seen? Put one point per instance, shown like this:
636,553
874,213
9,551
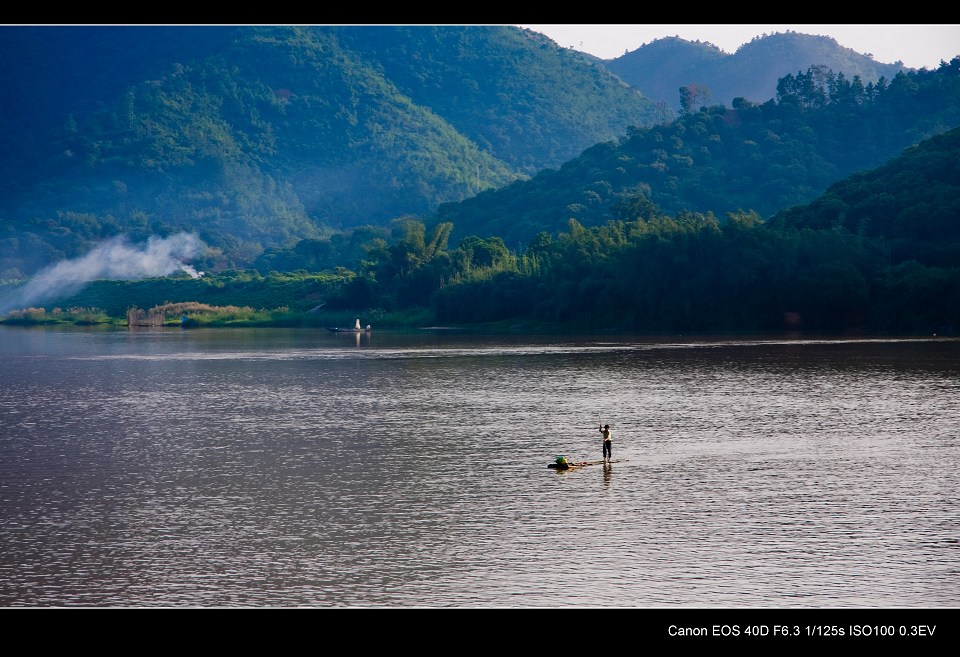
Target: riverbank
245,318
422,322
194,315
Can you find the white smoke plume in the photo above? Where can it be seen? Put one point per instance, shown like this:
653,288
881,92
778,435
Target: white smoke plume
114,259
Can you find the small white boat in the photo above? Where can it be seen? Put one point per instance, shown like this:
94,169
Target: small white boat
356,329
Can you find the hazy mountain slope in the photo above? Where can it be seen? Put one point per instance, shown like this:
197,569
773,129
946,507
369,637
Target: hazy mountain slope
257,136
51,72
660,68
511,91
280,133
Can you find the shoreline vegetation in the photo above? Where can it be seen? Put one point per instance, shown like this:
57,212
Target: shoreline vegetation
193,315
199,315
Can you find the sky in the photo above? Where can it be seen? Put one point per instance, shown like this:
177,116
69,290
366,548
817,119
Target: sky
916,45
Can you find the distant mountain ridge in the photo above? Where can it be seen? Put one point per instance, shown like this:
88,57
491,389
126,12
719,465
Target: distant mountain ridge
660,68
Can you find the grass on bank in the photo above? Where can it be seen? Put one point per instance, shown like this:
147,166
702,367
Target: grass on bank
41,316
195,314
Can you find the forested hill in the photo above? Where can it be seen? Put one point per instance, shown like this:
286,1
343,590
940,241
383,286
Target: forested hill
260,136
50,73
513,93
660,68
822,127
912,203
879,252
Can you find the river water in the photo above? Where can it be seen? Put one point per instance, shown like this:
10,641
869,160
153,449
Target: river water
298,468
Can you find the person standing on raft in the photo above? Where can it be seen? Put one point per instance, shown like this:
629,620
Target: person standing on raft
607,442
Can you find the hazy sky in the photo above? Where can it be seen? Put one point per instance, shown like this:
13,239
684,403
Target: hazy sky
917,46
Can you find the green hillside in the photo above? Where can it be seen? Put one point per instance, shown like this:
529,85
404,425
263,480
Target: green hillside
912,202
513,92
878,253
761,158
257,137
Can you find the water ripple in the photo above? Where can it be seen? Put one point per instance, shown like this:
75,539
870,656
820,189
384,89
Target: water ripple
205,471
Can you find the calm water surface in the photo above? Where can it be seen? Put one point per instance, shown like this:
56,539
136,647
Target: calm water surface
409,469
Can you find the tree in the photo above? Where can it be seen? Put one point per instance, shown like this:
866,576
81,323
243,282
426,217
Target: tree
692,97
489,252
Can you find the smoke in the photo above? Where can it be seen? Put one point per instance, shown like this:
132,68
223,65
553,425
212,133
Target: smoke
115,259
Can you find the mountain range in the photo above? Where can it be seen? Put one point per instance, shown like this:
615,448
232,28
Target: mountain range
258,137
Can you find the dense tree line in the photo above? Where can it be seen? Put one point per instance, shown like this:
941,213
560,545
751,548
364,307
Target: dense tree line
688,273
665,274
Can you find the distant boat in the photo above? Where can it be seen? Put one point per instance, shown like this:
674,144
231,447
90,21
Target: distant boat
356,329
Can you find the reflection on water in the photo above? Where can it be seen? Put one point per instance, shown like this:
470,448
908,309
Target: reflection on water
283,468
